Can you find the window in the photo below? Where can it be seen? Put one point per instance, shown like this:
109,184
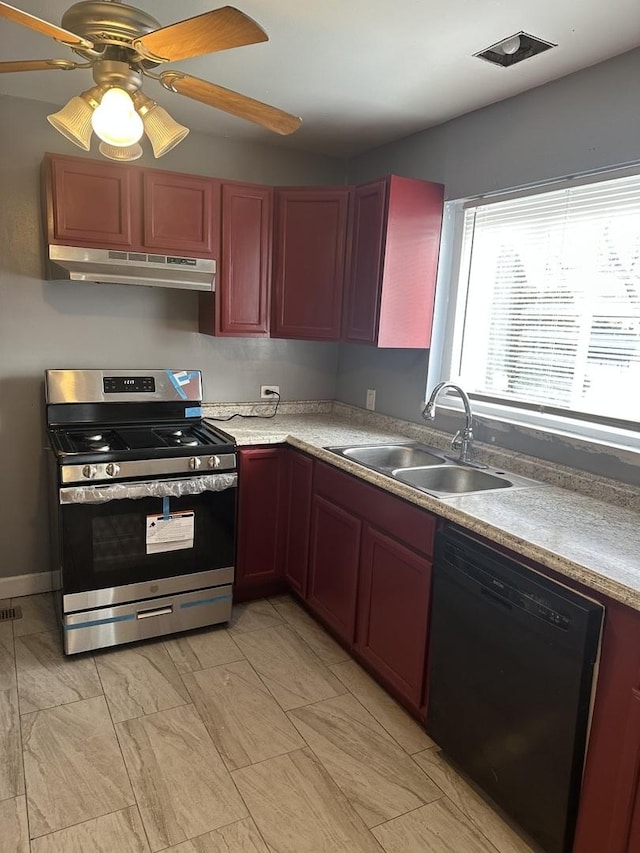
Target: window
547,314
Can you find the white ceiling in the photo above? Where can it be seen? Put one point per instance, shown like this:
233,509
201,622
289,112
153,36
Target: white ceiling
360,72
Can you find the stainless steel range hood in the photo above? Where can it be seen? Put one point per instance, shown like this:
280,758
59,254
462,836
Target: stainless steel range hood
110,266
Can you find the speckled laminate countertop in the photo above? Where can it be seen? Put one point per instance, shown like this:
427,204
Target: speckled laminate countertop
589,540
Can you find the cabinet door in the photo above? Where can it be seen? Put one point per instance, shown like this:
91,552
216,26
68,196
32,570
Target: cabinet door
395,243
244,276
410,266
626,819
300,472
180,213
333,565
609,813
261,502
362,302
310,242
393,611
91,203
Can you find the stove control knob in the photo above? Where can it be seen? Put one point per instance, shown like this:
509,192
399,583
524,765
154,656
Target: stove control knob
195,463
214,462
112,469
89,471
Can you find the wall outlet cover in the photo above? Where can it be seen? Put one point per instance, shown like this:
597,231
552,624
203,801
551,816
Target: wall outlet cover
267,391
371,399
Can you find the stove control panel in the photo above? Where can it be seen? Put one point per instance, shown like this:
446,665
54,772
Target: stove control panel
144,468
128,384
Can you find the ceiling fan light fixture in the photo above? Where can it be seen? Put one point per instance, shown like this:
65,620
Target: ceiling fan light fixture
163,130
73,121
122,153
116,121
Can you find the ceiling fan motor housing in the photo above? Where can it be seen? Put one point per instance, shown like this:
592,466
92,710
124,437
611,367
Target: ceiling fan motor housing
108,23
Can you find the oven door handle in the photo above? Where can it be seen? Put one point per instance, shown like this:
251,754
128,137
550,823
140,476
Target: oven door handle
104,492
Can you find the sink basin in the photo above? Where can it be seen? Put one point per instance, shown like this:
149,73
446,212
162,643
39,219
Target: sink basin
393,456
449,480
452,479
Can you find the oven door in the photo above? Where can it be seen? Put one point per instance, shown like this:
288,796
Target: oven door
131,541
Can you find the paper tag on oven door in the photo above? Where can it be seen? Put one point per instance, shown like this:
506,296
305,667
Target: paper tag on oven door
170,533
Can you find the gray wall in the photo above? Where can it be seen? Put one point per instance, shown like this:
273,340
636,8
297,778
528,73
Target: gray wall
588,120
52,324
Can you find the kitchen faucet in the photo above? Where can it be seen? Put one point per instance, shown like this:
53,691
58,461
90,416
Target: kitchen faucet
463,439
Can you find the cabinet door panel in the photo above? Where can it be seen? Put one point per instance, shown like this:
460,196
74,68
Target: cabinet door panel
626,819
393,612
309,263
260,517
333,571
242,287
299,521
179,213
608,815
362,304
91,203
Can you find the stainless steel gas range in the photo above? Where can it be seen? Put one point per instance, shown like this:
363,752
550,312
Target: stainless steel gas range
143,505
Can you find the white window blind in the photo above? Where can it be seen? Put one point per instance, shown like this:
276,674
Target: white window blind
550,310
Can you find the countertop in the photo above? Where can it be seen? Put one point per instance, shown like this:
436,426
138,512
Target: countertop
585,539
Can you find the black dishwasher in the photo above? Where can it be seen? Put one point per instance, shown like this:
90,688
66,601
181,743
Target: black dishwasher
511,667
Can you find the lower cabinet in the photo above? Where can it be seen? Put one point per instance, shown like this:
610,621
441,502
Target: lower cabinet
299,473
370,577
393,612
333,564
261,522
609,816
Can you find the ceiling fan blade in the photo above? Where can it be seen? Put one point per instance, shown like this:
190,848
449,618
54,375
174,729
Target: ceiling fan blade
230,102
38,65
44,27
208,33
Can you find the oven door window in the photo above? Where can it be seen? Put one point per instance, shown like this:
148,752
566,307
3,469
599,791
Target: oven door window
105,545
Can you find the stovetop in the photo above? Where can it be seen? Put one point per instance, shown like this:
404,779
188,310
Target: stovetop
96,443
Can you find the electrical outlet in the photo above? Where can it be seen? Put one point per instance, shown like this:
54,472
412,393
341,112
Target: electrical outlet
371,399
268,392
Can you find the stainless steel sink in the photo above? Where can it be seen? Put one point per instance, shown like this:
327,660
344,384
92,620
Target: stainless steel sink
393,456
449,480
430,470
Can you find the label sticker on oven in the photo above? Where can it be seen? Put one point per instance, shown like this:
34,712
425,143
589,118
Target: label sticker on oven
170,533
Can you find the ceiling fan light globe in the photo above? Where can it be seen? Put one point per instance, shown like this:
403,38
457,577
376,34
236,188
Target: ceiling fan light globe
122,154
115,121
73,121
164,132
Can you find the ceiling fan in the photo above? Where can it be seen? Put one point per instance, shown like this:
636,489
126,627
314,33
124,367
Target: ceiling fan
122,45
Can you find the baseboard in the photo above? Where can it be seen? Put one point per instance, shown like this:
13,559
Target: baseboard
19,585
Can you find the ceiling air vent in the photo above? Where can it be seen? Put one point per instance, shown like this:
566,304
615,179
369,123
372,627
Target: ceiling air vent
514,49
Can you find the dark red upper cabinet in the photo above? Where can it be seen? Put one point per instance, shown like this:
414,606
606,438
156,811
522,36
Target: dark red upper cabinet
91,203
394,247
240,306
310,244
179,213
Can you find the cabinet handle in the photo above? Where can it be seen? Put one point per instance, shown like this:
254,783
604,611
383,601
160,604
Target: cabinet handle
158,611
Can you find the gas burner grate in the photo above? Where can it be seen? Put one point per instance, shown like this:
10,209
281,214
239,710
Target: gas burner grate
8,614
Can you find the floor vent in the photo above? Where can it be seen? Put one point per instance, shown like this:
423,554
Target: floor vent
7,614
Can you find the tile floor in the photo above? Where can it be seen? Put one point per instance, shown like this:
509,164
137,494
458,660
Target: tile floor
263,737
